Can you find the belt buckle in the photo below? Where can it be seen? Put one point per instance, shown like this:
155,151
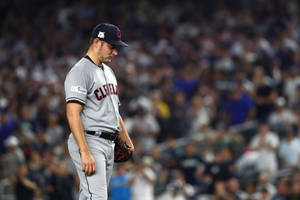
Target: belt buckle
98,133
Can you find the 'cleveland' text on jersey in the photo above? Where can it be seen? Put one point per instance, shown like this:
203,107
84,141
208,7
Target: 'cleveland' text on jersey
105,90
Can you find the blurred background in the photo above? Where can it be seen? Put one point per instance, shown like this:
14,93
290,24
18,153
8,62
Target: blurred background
210,94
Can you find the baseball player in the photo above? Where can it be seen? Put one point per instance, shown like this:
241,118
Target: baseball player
93,113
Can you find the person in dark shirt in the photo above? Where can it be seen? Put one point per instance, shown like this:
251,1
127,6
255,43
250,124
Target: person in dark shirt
190,162
177,124
265,94
221,168
25,188
60,182
282,188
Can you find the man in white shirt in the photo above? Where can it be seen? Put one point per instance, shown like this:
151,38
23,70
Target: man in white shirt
142,180
289,149
265,143
173,192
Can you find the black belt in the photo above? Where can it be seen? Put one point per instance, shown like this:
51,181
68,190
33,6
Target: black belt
105,135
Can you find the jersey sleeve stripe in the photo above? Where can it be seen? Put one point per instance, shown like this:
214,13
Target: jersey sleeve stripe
75,99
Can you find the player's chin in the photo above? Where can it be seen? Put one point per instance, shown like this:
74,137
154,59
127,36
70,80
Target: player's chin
107,60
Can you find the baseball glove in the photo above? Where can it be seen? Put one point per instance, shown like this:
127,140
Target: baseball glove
122,151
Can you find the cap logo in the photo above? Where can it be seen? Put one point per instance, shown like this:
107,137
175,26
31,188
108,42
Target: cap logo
118,33
101,34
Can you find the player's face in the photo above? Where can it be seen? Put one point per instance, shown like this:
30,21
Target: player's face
107,52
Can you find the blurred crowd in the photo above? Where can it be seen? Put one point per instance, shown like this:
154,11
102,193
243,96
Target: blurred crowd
209,91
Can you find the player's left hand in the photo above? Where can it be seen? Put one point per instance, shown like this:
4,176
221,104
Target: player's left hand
122,151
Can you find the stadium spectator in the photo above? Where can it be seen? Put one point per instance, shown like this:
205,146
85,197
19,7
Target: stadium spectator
281,116
190,162
143,179
25,188
266,143
119,184
289,148
239,107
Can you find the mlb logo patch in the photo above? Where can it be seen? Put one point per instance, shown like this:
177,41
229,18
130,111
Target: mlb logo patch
101,34
78,89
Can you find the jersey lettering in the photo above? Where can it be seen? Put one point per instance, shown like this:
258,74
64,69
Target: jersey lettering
102,93
112,89
105,90
117,89
97,95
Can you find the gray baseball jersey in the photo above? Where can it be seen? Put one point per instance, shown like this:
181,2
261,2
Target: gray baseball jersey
95,87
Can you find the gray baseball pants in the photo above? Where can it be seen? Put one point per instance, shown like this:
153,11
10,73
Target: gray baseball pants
95,186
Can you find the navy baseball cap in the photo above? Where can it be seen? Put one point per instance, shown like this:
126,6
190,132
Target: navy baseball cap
108,33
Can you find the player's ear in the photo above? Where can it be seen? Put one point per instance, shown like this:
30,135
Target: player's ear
98,43
95,41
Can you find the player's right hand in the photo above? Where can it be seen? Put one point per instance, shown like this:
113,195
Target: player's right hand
88,163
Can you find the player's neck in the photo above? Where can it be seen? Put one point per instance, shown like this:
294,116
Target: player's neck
94,58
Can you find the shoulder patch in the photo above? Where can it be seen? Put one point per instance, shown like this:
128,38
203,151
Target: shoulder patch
78,89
